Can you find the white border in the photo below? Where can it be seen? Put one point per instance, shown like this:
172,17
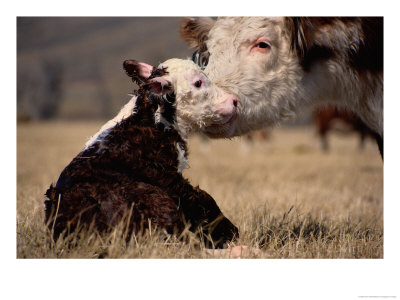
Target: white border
198,279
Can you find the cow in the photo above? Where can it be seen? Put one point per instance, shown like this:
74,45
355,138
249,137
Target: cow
325,119
276,65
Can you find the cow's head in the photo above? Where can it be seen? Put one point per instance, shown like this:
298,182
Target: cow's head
253,59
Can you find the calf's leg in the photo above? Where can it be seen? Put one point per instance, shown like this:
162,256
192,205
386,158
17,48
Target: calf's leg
202,212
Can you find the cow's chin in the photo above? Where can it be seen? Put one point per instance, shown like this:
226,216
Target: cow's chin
224,130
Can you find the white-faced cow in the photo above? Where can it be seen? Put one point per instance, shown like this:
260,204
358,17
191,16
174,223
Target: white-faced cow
274,66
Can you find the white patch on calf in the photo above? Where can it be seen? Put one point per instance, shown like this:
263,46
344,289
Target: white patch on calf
125,112
158,118
183,162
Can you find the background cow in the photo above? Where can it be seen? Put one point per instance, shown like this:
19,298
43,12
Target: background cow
328,118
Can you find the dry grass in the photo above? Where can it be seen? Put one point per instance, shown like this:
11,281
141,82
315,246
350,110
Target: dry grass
288,199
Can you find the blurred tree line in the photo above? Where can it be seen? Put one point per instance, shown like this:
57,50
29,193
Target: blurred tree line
71,67
40,91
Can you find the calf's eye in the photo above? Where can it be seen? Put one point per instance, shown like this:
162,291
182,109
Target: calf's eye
263,45
198,83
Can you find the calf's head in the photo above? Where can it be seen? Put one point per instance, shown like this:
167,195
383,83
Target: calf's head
186,92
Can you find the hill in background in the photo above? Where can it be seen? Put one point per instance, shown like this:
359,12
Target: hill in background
71,67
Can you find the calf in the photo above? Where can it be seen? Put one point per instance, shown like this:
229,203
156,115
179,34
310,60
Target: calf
132,167
276,65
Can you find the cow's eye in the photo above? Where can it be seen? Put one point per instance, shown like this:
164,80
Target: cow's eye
263,45
198,83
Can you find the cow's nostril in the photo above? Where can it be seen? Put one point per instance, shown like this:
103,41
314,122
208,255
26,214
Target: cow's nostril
235,102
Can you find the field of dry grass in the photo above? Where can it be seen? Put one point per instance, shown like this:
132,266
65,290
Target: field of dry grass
288,198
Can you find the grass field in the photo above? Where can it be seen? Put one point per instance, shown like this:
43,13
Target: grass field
288,198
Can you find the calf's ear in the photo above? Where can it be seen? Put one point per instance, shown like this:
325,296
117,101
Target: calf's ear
139,71
158,86
195,31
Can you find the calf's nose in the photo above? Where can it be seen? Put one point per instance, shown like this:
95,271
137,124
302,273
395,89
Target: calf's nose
227,108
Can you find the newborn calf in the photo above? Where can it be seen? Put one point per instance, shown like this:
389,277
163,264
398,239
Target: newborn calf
131,169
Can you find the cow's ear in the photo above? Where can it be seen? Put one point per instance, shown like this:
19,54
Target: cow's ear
158,86
139,71
300,30
195,31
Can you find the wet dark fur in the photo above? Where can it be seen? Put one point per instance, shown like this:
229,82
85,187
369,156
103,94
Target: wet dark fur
132,173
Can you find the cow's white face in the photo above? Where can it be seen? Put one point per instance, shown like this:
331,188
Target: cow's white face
250,58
